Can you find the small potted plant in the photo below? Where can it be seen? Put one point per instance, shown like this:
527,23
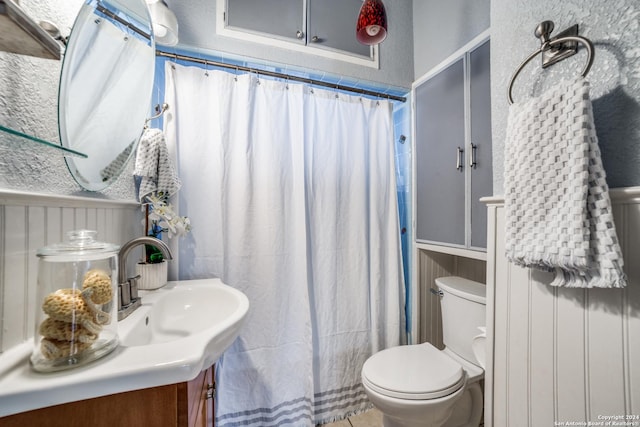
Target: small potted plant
159,218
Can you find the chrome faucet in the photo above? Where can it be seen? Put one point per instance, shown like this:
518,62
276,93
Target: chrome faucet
128,299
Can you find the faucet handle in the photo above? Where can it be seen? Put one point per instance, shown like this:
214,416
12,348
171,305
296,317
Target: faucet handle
124,291
133,286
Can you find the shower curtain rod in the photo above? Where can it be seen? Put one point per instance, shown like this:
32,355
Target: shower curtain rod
281,76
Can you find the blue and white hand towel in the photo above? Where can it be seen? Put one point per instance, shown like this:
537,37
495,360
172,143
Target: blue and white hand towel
154,166
558,210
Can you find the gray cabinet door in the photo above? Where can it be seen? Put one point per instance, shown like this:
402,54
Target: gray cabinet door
332,25
481,175
280,18
325,24
440,133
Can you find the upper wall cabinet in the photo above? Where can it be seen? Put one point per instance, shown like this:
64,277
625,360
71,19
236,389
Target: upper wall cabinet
278,18
332,25
320,27
452,122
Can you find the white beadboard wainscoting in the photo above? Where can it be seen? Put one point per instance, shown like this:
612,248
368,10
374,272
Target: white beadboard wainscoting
31,221
562,355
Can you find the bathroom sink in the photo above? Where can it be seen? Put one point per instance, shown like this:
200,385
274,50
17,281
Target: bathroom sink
177,332
179,312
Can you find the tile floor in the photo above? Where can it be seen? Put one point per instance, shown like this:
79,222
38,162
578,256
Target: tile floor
370,418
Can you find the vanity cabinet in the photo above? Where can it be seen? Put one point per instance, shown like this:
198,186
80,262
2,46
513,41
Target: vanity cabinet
188,404
452,116
318,24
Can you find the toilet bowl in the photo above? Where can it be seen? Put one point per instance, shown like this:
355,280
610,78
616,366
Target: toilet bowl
421,386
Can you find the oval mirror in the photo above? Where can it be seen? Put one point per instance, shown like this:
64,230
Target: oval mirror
105,88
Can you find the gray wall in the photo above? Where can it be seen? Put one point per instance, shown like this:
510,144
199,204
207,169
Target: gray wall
28,89
197,28
442,27
614,28
29,103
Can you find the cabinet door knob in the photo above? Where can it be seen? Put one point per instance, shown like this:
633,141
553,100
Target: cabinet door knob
472,158
315,39
459,158
299,35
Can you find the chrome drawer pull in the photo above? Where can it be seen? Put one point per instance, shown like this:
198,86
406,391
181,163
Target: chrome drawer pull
472,159
459,158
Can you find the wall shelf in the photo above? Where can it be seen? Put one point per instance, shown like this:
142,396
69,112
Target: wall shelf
18,139
480,255
20,34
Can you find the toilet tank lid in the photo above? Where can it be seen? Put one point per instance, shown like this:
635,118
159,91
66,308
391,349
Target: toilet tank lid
463,288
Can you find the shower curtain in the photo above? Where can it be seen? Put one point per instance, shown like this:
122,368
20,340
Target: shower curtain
291,193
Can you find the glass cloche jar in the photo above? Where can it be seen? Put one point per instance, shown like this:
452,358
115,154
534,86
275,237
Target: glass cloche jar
77,307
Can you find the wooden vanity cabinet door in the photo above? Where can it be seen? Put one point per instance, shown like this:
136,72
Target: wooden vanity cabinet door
175,405
204,415
193,397
156,406
210,389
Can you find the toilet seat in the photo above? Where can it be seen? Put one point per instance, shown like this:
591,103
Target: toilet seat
413,372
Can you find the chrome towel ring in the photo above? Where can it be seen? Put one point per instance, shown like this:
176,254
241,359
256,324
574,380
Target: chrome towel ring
560,47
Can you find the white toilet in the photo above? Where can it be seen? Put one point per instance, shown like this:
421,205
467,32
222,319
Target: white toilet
419,385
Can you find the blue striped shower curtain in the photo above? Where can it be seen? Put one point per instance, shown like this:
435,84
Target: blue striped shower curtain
291,192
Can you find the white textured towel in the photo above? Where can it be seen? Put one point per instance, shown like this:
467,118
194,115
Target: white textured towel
558,211
154,166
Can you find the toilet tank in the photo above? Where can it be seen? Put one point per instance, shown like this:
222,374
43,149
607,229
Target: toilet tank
463,303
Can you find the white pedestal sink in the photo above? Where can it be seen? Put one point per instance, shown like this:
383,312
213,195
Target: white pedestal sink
183,310
178,331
